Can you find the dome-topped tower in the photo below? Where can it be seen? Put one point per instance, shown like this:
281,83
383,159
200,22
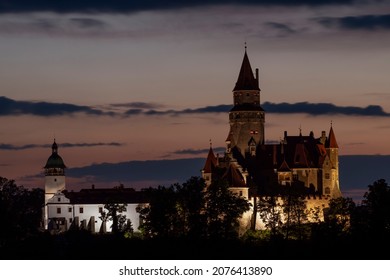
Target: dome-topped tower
55,163
54,176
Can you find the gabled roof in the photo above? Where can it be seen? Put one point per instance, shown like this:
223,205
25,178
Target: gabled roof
284,167
331,141
234,177
211,162
107,195
246,80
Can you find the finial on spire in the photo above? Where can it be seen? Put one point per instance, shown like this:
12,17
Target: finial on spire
211,143
331,123
245,45
300,130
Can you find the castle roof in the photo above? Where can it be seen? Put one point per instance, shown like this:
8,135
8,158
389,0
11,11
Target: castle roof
331,141
54,161
106,195
234,177
211,162
246,80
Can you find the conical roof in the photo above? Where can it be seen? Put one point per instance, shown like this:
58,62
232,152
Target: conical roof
331,141
246,80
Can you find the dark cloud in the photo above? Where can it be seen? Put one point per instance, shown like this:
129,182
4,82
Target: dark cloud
62,145
208,109
281,28
120,6
364,22
198,152
138,105
354,175
280,108
87,23
177,170
324,109
9,107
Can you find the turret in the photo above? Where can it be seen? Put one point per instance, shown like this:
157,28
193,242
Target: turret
54,176
246,118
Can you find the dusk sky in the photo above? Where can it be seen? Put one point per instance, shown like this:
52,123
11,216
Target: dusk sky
115,82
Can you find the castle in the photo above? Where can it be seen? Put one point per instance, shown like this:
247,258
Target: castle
83,209
254,168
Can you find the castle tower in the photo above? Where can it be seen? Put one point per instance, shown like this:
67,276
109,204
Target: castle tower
54,177
331,168
246,118
209,167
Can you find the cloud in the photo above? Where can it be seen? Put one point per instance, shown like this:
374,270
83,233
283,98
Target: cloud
198,151
121,7
281,28
9,107
363,22
62,145
177,170
138,105
314,109
355,176
88,23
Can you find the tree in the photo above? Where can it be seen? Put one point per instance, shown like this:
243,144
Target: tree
160,216
20,211
270,212
377,203
223,210
294,209
114,214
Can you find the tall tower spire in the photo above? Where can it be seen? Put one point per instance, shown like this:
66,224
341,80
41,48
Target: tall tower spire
246,118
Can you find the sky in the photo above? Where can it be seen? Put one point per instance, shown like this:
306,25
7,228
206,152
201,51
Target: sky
149,84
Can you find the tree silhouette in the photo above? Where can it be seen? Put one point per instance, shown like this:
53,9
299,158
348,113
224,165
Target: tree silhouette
20,211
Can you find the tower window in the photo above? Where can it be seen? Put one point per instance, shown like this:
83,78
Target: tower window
240,193
58,210
59,199
327,176
100,209
81,210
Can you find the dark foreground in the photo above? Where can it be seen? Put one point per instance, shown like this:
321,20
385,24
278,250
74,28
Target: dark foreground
85,246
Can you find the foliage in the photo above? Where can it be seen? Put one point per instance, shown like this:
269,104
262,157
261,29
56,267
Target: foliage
191,210
113,213
223,210
270,212
20,210
377,204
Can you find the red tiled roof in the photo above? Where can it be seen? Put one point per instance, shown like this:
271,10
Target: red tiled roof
211,162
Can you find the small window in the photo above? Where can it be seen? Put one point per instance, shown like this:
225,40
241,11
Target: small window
70,209
59,199
70,220
327,176
327,190
100,209
55,179
240,193
81,210
58,210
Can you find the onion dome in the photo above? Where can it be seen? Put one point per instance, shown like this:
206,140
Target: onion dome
54,161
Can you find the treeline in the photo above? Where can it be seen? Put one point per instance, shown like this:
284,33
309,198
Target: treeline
189,221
